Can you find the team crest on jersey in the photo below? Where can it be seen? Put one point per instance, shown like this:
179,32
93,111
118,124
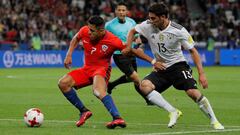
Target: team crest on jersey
104,48
161,37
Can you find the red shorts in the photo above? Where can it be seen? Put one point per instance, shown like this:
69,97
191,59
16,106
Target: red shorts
84,76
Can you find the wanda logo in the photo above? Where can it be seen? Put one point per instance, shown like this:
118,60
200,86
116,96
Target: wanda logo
8,59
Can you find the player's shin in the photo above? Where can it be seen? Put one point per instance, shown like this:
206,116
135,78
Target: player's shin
206,108
109,104
174,113
156,98
139,92
120,80
74,100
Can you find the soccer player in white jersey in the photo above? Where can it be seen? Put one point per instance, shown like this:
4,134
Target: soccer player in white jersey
166,39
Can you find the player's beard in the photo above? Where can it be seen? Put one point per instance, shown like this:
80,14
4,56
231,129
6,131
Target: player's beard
94,40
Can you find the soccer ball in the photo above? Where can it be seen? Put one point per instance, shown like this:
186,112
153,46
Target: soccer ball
33,117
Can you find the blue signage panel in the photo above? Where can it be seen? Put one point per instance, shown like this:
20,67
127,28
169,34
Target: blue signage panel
21,59
230,57
207,57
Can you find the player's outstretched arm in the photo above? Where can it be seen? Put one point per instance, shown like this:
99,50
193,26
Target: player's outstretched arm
197,60
139,53
156,64
130,38
72,46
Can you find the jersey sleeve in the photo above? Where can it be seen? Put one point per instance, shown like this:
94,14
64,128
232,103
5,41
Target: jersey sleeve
81,32
119,44
142,28
186,39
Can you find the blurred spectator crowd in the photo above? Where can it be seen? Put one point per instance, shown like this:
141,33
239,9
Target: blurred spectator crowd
51,24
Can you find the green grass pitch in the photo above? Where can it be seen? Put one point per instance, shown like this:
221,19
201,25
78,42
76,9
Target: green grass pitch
24,88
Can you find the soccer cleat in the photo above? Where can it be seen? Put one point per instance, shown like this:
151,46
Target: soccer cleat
117,122
217,126
173,118
84,116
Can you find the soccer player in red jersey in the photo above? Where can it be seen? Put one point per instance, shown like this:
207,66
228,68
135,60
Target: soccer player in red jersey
99,46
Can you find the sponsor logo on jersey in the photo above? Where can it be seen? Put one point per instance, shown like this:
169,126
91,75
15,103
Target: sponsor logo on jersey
153,37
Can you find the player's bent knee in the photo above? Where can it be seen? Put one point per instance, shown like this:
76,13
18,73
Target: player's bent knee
98,94
194,94
145,84
146,87
64,83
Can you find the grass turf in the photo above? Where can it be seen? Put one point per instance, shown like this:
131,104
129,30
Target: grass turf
24,88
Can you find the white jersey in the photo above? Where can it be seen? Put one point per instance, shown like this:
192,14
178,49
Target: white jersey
166,45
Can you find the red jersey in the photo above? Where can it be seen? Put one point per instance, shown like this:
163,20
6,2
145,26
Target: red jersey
99,54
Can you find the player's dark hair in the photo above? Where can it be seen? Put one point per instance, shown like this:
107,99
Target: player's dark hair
122,3
97,21
159,9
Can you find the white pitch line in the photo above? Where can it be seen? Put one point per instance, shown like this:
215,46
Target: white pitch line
145,124
189,132
149,124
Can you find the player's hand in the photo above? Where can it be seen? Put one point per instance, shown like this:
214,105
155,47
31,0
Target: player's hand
68,62
203,81
138,40
159,66
126,51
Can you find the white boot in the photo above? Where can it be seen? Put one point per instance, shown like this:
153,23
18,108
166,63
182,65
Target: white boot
174,117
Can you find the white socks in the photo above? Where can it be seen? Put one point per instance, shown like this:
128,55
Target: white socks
204,105
206,108
158,100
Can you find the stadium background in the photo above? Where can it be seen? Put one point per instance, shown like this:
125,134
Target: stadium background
36,33
48,25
